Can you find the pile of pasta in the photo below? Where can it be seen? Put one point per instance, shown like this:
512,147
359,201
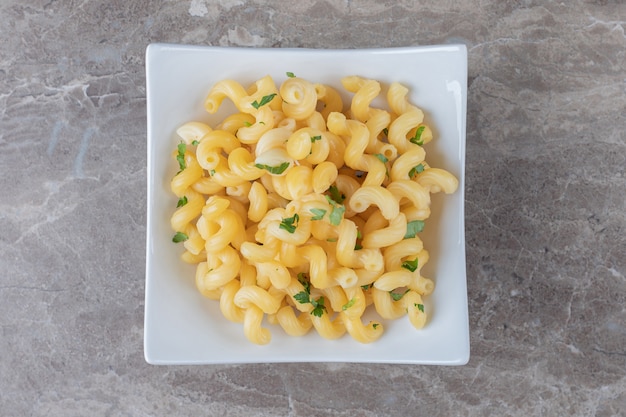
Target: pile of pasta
305,214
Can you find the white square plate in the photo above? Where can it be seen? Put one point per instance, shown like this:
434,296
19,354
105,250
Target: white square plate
183,327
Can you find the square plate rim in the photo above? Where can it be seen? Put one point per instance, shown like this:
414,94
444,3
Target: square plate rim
157,48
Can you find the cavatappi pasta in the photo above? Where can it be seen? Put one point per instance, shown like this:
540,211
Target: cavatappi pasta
304,215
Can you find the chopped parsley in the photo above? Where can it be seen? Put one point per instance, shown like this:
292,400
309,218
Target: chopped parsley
382,158
180,157
336,195
359,235
420,307
410,265
375,325
179,237
386,131
279,169
318,214
366,287
212,172
348,304
303,279
264,101
413,228
290,74
318,307
416,170
182,201
290,223
337,212
314,138
195,142
417,139
397,296
247,123
304,297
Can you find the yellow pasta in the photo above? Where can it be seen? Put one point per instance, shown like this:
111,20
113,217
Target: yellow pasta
386,236
437,180
329,98
299,98
193,131
258,202
227,302
304,214
253,317
264,120
365,91
378,196
223,89
363,333
294,325
324,175
386,306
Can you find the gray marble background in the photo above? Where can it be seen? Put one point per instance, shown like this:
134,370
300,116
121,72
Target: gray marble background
545,202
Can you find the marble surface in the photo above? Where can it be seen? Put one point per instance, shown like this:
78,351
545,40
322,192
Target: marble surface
545,209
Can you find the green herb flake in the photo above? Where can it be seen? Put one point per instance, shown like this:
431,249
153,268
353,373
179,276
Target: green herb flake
195,142
331,239
318,214
302,297
182,148
366,287
382,158
290,74
413,228
182,201
410,265
180,157
212,172
274,170
336,215
375,325
336,195
417,139
420,307
348,304
416,170
337,212
264,101
397,296
303,279
318,307
386,131
358,247
314,138
290,223
247,124
359,235
179,237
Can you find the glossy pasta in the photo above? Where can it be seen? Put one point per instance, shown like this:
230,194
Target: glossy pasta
304,212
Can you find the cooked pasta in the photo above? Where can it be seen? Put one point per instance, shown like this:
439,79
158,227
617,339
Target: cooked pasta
306,215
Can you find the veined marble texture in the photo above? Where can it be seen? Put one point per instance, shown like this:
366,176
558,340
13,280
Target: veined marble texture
545,209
